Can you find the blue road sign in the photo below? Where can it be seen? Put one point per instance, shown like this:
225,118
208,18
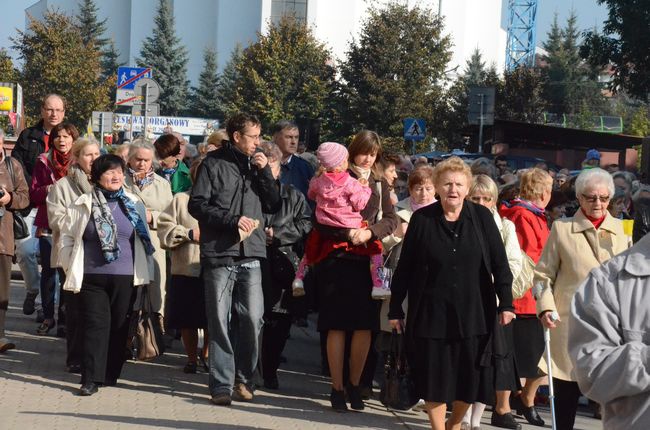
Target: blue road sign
128,76
414,129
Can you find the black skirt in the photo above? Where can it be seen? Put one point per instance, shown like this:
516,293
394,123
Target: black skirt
185,303
528,336
343,287
505,366
447,370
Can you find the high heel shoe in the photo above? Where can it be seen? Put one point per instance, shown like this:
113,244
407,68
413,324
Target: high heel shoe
45,327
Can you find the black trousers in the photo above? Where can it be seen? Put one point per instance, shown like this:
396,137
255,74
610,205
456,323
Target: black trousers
274,338
105,302
73,328
51,279
566,403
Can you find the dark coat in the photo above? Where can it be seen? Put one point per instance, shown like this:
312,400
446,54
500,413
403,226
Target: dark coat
227,187
297,172
641,219
413,274
19,199
29,146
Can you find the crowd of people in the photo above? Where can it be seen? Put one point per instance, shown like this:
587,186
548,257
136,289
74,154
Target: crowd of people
242,239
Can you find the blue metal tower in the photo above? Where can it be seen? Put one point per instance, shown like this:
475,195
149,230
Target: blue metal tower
520,48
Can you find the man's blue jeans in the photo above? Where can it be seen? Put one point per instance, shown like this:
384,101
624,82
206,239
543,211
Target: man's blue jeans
234,307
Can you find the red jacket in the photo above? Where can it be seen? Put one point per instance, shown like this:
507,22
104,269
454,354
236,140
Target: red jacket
532,232
42,177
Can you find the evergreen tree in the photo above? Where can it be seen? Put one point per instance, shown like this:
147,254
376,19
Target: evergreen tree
56,59
395,70
474,73
110,62
8,72
166,56
520,98
284,75
228,98
92,30
204,102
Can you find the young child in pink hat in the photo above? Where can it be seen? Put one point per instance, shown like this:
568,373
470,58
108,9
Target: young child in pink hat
339,200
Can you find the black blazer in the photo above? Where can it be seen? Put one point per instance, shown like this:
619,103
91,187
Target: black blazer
412,274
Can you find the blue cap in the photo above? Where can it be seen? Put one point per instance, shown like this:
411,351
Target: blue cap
593,154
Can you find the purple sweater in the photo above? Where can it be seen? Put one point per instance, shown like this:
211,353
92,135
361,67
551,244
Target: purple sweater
94,262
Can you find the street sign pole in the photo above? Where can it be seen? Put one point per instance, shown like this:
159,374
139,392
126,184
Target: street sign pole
480,130
146,105
101,130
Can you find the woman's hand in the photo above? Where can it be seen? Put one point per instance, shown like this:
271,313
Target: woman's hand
196,234
506,317
149,217
5,199
547,319
360,236
397,325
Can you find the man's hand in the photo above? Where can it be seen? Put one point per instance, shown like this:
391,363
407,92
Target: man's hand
547,320
6,198
506,317
397,325
259,159
246,223
269,235
360,236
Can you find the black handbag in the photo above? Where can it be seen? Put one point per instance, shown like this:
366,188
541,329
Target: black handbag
145,339
398,390
21,230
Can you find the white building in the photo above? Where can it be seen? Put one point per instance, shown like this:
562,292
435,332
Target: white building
222,24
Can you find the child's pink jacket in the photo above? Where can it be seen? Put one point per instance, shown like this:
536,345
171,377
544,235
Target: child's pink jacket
339,199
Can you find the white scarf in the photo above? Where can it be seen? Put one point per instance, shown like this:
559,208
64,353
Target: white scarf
360,172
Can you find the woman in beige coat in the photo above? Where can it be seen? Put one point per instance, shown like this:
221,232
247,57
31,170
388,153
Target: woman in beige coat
575,246
156,194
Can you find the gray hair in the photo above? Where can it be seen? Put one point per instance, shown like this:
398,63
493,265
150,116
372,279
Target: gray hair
626,176
283,125
590,177
272,152
643,188
140,143
484,166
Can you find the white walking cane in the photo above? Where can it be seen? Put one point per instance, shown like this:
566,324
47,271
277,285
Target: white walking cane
551,391
537,292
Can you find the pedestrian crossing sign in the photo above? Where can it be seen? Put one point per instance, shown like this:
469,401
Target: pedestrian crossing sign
414,129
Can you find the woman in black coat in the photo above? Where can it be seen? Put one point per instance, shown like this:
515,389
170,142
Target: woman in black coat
450,255
285,234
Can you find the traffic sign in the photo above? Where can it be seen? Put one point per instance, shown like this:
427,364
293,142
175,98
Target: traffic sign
127,77
414,129
153,109
153,91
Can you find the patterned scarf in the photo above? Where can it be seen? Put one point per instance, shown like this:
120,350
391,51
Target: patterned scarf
526,204
105,224
142,180
167,173
60,163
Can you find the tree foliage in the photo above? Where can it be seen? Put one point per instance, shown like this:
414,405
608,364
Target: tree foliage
204,102
110,63
520,98
8,73
91,28
286,74
164,53
228,97
570,85
625,43
395,69
56,60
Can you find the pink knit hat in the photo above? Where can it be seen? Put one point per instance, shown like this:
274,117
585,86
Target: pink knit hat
331,154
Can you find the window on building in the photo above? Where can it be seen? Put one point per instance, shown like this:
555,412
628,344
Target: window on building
295,8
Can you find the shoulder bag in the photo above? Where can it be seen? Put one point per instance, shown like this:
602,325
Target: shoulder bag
21,230
398,391
145,339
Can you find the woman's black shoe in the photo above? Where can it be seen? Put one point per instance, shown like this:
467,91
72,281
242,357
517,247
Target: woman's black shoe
528,412
189,367
354,394
88,389
505,421
337,399
74,368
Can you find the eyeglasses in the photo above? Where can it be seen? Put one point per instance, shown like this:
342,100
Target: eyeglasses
51,111
479,199
252,136
593,199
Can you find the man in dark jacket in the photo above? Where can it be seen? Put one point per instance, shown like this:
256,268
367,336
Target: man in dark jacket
32,142
295,170
234,187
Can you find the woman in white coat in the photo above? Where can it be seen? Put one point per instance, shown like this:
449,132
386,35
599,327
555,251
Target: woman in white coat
104,249
575,246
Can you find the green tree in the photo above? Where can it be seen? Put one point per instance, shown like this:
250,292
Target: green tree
8,73
625,44
166,56
91,28
285,74
204,102
521,96
228,97
56,60
395,70
110,63
640,123
475,72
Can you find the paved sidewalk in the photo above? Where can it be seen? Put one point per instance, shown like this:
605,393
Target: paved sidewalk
37,393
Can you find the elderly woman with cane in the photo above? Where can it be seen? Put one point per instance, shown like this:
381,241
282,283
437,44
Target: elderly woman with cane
453,262
575,246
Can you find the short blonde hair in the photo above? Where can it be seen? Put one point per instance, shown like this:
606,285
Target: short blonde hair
452,164
81,143
484,184
533,183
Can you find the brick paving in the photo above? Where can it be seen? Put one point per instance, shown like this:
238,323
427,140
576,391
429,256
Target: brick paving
37,393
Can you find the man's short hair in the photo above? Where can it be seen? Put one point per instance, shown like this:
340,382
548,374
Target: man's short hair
65,103
283,125
239,123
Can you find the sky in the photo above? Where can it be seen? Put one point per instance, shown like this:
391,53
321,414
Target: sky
590,14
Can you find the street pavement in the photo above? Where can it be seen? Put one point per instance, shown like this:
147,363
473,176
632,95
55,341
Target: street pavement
37,393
